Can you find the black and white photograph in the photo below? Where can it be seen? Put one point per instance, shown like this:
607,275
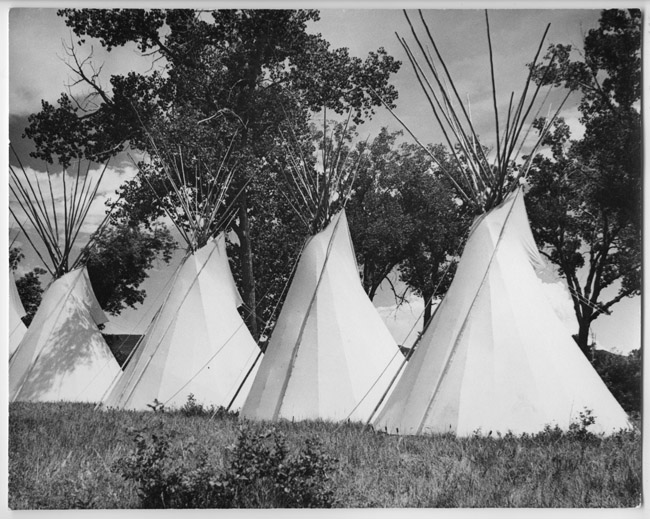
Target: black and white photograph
313,256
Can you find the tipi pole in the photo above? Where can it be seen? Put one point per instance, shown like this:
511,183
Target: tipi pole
241,385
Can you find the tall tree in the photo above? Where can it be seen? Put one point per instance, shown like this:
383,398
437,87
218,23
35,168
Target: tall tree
585,200
378,223
237,71
440,225
405,216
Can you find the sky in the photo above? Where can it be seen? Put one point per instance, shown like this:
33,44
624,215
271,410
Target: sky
37,71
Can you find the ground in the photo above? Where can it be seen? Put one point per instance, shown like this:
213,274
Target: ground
68,456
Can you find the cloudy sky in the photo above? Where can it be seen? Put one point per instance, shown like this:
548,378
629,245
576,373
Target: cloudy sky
37,71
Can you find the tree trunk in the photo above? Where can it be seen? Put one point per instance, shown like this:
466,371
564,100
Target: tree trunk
583,338
428,300
367,279
372,291
246,258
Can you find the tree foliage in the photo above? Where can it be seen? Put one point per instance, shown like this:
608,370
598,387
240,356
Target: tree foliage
585,200
440,225
405,216
118,260
378,223
235,73
622,375
29,285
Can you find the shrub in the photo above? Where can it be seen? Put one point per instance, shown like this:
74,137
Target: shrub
260,473
622,375
580,429
193,408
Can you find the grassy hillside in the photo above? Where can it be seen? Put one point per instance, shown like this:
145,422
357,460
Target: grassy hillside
68,456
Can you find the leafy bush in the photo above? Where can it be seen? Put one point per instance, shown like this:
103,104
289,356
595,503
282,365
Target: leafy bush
580,429
194,408
260,473
622,375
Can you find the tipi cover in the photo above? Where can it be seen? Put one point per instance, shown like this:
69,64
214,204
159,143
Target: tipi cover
197,344
17,328
329,345
63,355
495,356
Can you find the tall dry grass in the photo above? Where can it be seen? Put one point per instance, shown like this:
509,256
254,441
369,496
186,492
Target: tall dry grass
61,456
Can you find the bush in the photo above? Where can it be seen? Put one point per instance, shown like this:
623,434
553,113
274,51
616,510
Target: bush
622,375
193,408
261,474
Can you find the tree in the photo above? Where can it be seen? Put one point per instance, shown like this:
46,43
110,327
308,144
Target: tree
622,375
404,215
118,259
585,200
15,256
236,71
378,223
29,286
440,224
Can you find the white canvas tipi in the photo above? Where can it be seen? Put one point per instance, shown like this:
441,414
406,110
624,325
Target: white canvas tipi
63,355
495,356
17,328
330,355
197,344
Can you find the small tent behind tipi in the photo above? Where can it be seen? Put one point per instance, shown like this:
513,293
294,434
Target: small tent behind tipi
17,328
330,355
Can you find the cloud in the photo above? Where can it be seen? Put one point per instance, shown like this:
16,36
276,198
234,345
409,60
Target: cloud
37,59
54,199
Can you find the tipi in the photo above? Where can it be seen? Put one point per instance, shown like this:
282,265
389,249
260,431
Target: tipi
17,328
197,343
495,357
63,355
330,355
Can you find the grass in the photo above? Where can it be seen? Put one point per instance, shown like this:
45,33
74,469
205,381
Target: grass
61,456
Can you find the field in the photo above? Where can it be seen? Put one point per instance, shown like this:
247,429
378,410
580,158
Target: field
68,456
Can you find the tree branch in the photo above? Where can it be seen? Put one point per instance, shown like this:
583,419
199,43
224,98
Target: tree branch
78,69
